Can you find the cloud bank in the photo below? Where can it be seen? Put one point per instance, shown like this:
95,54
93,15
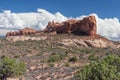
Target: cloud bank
108,27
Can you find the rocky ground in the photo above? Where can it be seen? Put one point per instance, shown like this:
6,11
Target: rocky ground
56,57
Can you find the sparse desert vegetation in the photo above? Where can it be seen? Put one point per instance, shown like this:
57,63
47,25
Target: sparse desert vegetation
48,59
106,69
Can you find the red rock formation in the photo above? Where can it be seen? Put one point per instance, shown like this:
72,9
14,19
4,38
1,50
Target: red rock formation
25,31
87,26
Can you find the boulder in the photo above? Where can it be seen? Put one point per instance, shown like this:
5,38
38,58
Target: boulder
97,43
87,26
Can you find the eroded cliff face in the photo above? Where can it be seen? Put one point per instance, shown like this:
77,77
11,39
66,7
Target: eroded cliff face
87,26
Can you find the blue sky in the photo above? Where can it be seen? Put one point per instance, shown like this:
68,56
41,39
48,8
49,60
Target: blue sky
69,8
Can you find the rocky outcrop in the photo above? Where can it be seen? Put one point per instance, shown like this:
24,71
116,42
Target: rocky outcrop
87,26
96,43
25,31
24,38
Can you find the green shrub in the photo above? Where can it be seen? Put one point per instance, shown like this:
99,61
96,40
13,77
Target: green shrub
63,55
11,68
73,59
67,64
107,69
56,57
51,64
88,50
92,57
53,58
18,43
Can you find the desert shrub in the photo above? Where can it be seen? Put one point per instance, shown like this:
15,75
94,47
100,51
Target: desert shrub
53,58
67,64
18,43
51,64
88,50
107,69
63,55
92,57
11,68
73,59
56,57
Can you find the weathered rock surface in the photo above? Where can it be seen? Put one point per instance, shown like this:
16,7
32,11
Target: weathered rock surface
24,38
96,43
87,26
16,78
25,31
76,42
13,79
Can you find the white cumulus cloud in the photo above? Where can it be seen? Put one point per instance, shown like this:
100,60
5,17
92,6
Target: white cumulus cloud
108,27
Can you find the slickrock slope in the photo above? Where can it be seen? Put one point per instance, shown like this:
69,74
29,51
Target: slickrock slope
78,41
96,43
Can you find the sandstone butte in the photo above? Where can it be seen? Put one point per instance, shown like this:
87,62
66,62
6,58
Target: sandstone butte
86,27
